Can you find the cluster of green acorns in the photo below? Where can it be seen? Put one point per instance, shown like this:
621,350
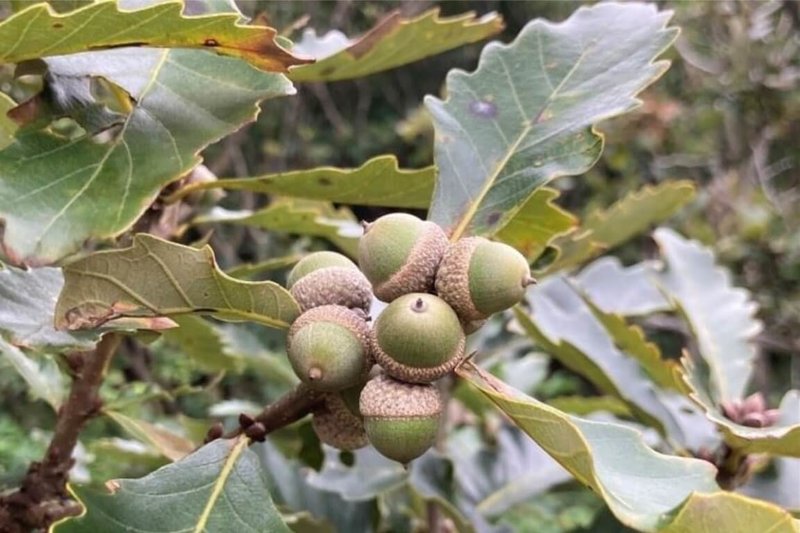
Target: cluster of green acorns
437,293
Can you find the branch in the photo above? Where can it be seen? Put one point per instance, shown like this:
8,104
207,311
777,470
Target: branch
286,410
42,497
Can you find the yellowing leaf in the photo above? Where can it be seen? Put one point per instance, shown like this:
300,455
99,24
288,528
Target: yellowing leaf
39,31
731,513
537,223
393,42
603,230
159,278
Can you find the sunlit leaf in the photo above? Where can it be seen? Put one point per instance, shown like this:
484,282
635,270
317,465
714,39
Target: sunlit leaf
626,218
157,278
584,405
167,443
379,181
725,511
219,485
639,485
721,316
56,192
39,31
536,224
524,116
316,219
7,126
393,42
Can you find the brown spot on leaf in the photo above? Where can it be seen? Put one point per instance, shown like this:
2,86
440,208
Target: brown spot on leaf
367,42
58,25
325,182
493,218
210,42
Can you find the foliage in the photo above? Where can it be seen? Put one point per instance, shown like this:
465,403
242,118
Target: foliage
633,372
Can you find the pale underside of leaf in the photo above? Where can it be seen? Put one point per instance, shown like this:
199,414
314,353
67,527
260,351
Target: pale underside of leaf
39,31
721,316
159,278
525,115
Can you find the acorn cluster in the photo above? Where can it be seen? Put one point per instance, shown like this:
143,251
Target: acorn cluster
437,292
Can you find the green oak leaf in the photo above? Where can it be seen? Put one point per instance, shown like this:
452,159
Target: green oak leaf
524,116
220,486
780,439
7,126
585,405
55,193
299,217
626,218
536,224
721,316
379,182
639,485
393,42
732,513
39,31
563,323
159,278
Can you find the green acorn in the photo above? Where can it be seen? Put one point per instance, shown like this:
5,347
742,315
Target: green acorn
338,423
400,253
478,278
328,278
329,348
401,419
418,338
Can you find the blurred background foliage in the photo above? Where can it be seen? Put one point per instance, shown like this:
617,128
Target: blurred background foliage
726,115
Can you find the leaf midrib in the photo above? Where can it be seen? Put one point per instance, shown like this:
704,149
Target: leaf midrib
467,218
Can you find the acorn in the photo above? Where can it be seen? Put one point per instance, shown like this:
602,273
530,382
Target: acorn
401,419
338,423
328,278
329,348
418,338
478,278
399,254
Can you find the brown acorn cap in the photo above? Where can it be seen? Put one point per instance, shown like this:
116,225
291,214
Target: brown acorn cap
418,338
384,397
333,286
329,348
452,279
337,426
400,253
